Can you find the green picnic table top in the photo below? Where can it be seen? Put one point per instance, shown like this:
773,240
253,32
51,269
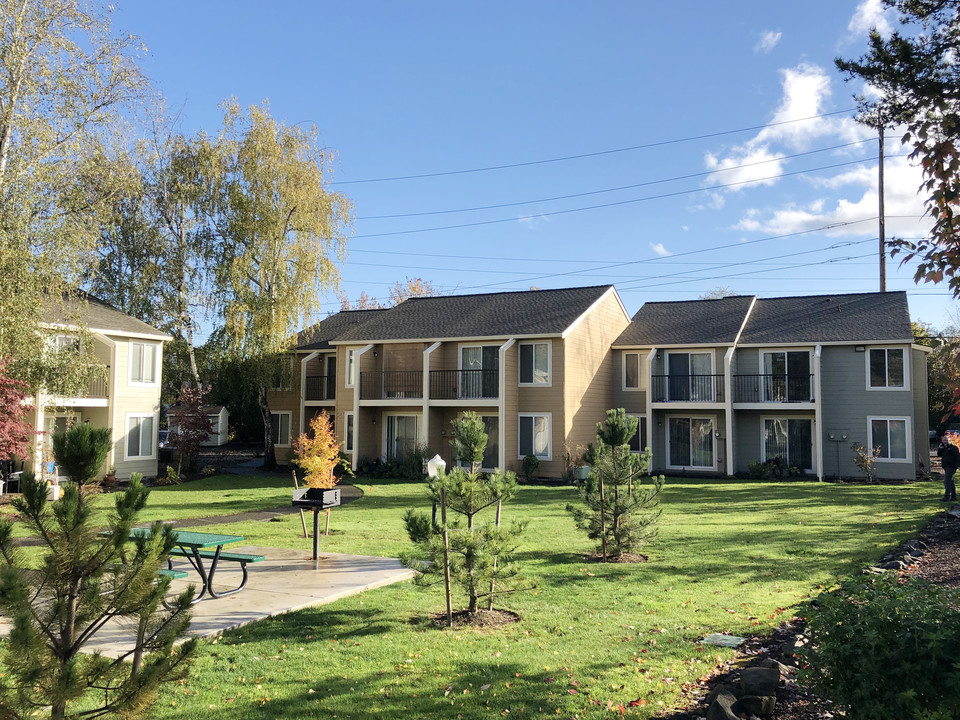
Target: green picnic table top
190,539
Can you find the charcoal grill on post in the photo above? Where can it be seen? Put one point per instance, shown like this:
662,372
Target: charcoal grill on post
316,499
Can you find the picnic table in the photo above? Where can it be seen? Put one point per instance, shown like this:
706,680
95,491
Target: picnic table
197,547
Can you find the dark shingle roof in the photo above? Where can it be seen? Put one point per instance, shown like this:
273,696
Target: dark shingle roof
318,337
830,318
97,315
531,312
692,322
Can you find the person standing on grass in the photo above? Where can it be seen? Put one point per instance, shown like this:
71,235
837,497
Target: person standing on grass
949,455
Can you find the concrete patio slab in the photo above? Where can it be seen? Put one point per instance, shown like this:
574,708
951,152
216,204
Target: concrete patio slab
287,580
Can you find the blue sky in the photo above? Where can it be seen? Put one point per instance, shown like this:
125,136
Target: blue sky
666,148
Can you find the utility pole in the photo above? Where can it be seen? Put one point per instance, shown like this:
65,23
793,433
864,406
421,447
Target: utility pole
883,241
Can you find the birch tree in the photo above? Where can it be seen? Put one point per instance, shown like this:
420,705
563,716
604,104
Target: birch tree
281,231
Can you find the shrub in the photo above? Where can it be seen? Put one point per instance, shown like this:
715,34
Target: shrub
193,427
171,478
758,470
865,459
886,648
530,465
318,455
80,451
208,471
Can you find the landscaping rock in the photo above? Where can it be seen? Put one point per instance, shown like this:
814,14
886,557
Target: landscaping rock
757,705
780,667
759,681
722,707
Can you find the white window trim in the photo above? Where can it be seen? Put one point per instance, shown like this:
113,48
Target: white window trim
907,382
289,414
461,346
908,439
641,375
350,364
347,423
126,435
549,417
156,368
643,422
763,438
695,468
383,434
711,353
534,343
786,374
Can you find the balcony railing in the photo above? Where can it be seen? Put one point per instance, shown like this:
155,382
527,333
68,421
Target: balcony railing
464,384
687,388
391,384
320,387
772,388
96,388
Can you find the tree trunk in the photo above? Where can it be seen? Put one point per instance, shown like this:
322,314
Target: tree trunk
603,518
269,453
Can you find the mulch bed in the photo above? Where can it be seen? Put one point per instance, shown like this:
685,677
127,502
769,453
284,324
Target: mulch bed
624,558
485,619
940,565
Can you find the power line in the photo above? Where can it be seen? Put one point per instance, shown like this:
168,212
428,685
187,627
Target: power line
634,186
601,206
599,153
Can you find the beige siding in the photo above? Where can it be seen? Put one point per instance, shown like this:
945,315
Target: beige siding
511,408
590,373
402,356
532,399
132,398
288,400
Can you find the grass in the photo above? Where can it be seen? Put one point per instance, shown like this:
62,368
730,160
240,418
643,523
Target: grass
204,498
732,556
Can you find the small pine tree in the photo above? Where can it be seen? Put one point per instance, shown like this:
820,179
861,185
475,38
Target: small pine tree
319,455
479,554
80,452
193,427
84,581
619,512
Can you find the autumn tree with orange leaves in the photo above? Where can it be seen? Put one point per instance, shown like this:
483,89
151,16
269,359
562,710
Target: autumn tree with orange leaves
318,455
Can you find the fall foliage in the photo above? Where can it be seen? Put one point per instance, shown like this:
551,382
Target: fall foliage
320,454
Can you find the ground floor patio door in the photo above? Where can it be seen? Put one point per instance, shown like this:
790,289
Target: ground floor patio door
791,440
401,436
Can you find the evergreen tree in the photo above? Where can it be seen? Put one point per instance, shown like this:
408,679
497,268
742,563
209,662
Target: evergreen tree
619,512
81,450
84,581
478,554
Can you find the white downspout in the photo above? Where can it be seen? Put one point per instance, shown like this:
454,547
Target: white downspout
426,390
502,404
649,414
728,405
818,414
303,390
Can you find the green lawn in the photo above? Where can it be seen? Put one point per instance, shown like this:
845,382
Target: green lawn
732,556
208,497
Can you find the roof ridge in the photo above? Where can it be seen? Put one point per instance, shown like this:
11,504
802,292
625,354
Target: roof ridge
504,292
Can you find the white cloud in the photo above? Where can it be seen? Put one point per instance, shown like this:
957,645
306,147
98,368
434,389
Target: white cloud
870,14
660,250
767,42
755,166
902,206
532,221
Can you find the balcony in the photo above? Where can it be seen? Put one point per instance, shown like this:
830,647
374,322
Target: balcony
464,384
773,388
391,385
320,387
687,388
96,388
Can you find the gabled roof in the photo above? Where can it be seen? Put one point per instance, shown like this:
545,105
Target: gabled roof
506,314
99,317
862,317
690,322
318,337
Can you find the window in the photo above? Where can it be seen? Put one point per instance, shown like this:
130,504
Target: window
632,376
535,435
143,363
890,436
535,363
690,443
280,428
479,371
141,436
690,376
401,436
63,343
790,439
351,378
885,368
348,432
786,376
638,443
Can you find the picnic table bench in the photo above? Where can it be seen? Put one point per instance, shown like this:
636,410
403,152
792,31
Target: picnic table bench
198,547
